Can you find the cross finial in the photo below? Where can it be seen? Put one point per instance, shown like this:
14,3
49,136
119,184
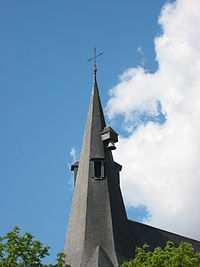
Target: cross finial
94,60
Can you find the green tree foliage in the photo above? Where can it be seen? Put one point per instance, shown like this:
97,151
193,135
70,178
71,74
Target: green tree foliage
182,255
21,250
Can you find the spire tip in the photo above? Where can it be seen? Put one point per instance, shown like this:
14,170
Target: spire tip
94,62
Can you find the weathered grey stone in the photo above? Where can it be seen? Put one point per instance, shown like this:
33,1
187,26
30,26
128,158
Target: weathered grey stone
99,259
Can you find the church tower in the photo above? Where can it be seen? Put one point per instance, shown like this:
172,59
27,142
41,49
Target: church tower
97,231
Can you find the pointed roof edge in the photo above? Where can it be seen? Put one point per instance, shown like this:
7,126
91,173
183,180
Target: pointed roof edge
95,84
95,89
97,122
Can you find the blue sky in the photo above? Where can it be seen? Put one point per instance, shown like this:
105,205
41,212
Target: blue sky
45,83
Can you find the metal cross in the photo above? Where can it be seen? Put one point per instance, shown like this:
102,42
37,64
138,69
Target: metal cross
94,59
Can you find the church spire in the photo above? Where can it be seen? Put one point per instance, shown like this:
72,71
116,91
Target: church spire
99,232
97,214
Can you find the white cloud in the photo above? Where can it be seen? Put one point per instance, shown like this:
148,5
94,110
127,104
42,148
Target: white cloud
161,162
141,53
73,154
